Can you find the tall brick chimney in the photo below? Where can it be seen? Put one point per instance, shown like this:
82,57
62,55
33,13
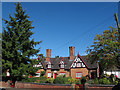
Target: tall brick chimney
48,54
72,52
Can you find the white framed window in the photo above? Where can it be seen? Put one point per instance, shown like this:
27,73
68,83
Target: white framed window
78,74
62,73
78,64
62,65
49,65
49,74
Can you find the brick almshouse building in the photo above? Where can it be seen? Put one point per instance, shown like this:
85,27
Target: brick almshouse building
72,66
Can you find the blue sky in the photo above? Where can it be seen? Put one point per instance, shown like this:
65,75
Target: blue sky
63,24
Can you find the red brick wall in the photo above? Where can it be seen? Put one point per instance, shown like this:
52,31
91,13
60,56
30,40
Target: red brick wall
28,85
100,88
74,70
4,84
31,85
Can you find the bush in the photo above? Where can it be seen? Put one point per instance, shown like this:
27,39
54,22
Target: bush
96,81
32,79
67,80
112,78
42,73
72,80
77,81
100,81
106,81
50,80
43,79
83,80
59,80
90,81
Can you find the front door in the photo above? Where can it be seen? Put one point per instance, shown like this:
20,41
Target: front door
55,75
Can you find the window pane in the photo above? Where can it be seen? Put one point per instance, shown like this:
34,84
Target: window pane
79,75
62,66
78,64
49,65
62,73
49,74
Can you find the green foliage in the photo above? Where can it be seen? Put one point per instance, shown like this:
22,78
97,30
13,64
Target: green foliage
43,79
50,80
72,81
112,77
78,81
105,81
83,80
32,79
0,46
67,80
90,81
59,80
105,49
17,48
42,73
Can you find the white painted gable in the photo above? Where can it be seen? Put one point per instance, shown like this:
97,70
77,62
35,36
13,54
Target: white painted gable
77,63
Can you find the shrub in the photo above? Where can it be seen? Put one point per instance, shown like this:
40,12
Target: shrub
67,80
96,81
90,81
71,80
42,73
83,80
59,80
77,81
50,80
100,81
43,79
106,75
106,81
32,79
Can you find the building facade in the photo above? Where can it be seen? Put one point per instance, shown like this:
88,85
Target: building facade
72,66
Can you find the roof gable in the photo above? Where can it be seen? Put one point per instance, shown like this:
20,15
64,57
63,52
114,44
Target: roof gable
62,62
78,62
68,63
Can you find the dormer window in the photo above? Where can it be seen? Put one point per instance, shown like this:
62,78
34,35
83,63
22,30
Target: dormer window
49,64
62,65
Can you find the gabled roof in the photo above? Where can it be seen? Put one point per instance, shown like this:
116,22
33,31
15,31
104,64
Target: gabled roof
88,62
56,62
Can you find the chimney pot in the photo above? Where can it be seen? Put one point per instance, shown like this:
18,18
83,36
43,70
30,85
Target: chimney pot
72,52
48,54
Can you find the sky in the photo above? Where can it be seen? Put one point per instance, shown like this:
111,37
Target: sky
63,24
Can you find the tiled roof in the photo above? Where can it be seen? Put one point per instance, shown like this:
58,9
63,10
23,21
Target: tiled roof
89,64
55,62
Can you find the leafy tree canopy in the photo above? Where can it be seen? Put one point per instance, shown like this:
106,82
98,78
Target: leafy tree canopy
17,46
105,49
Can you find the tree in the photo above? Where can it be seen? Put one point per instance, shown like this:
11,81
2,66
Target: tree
105,49
17,46
0,45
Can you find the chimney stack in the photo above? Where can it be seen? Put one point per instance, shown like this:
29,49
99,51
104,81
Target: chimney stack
48,54
72,52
